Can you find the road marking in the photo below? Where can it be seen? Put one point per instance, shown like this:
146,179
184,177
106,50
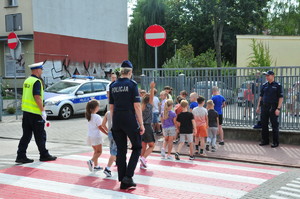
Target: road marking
293,185
190,179
290,189
62,188
289,194
17,192
181,170
277,197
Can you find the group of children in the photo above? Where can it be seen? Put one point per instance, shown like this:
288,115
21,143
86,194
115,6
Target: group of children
192,123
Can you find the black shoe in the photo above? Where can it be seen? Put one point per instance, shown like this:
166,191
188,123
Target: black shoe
257,126
24,160
207,148
274,145
221,143
127,181
126,186
263,143
48,158
177,156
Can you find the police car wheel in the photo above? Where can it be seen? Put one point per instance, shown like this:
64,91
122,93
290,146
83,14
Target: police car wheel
65,112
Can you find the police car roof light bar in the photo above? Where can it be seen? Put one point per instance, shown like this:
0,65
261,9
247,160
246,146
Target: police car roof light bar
83,77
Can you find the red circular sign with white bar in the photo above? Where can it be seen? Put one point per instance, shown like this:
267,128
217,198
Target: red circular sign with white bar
155,35
12,40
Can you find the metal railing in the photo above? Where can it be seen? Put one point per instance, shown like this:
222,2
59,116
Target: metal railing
232,83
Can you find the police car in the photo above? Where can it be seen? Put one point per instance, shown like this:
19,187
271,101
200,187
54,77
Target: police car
69,96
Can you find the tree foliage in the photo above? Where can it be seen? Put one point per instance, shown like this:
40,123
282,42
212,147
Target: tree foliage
260,55
284,18
204,24
146,13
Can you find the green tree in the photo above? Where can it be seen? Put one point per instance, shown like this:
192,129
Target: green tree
284,18
146,13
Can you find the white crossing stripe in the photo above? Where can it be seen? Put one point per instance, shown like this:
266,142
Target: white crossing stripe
277,197
63,188
293,185
215,175
290,189
295,181
155,35
225,166
289,194
150,181
212,164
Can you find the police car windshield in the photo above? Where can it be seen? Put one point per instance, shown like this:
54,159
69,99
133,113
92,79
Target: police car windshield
63,87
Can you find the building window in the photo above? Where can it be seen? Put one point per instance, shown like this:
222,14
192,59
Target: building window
13,22
12,3
12,64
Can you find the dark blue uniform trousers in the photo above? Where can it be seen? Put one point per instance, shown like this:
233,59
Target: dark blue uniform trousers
125,125
32,123
268,114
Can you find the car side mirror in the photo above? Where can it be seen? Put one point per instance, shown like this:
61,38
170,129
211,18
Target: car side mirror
79,93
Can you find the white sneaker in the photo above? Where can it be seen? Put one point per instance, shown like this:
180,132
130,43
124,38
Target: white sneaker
142,166
163,153
169,157
143,161
90,164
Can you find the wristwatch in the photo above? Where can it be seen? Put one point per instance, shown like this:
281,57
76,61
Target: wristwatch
278,108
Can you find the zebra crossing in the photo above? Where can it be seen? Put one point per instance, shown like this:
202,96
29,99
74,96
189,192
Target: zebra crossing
69,177
290,191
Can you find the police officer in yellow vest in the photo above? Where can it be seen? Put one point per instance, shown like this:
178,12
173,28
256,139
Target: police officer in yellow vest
34,116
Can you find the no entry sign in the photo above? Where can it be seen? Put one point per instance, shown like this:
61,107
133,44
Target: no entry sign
155,35
12,40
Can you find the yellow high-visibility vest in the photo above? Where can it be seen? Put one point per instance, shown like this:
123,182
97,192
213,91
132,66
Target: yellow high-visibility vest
28,101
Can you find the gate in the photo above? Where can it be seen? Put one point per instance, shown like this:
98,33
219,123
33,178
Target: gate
232,83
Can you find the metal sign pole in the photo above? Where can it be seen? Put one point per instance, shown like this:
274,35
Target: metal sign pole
155,58
16,102
155,63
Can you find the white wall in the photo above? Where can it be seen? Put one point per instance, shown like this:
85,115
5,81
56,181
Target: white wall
93,19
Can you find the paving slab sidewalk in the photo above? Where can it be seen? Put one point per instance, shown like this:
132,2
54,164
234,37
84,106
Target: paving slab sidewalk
249,151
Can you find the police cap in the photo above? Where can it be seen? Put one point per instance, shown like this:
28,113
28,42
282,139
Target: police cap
268,73
36,65
126,64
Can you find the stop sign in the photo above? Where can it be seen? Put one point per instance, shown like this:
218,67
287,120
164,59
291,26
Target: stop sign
12,40
155,35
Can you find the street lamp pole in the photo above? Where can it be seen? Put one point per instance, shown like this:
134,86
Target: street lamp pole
175,42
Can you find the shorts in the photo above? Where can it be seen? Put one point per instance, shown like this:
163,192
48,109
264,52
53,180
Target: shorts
186,137
148,136
94,141
248,104
155,117
201,131
171,131
112,144
220,119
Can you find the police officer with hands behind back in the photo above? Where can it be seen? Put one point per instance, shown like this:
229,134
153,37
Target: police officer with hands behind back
270,100
126,112
34,116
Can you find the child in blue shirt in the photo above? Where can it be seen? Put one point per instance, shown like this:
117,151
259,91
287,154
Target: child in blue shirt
219,102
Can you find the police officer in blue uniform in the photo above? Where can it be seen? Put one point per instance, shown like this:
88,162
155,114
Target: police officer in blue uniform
270,100
126,112
34,116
